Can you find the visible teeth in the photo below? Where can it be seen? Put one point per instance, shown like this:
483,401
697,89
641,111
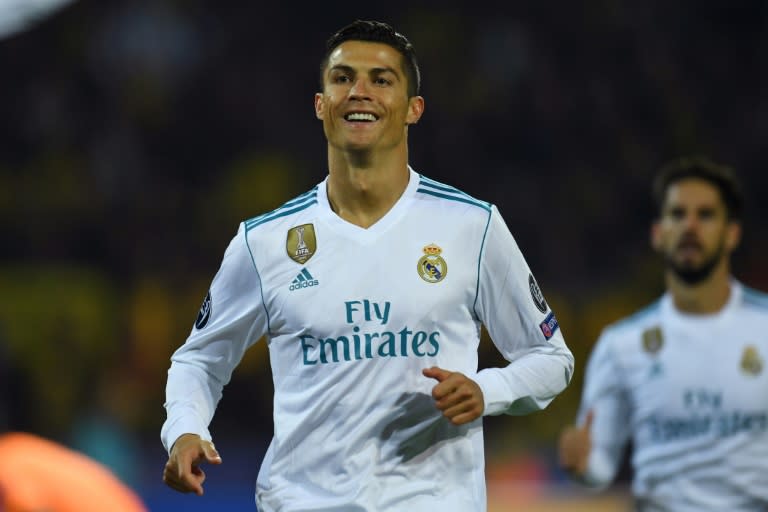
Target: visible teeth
360,116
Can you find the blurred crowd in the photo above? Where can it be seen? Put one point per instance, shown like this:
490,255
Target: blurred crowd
136,135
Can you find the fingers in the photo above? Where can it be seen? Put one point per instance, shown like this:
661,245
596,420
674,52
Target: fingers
211,455
575,444
436,373
588,420
184,481
182,472
458,397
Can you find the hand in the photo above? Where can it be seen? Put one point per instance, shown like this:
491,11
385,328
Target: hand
458,396
182,471
575,445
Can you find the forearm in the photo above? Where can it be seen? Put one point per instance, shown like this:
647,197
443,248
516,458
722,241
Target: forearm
191,399
527,384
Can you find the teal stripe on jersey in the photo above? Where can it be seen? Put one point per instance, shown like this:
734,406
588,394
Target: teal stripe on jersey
754,297
256,269
437,189
295,205
311,194
640,315
479,258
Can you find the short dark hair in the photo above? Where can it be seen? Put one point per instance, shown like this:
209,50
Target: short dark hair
377,32
722,177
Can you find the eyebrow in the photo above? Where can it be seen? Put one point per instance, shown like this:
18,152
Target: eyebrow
376,71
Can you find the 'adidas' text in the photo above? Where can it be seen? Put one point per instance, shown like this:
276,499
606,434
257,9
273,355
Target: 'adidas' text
303,280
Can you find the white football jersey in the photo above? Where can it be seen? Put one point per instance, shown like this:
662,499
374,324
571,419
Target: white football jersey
692,391
352,316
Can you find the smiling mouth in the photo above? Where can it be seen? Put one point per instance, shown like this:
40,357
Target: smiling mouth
364,117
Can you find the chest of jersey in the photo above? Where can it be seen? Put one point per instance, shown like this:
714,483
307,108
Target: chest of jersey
406,294
688,381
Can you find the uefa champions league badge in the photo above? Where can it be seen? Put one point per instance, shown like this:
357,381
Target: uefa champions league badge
652,340
432,267
751,362
536,295
205,312
301,243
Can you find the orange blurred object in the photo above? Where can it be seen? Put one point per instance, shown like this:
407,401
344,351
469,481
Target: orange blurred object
38,474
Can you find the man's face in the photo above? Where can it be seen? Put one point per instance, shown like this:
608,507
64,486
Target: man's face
364,104
694,233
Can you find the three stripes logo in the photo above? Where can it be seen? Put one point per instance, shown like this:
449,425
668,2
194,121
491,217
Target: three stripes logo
303,280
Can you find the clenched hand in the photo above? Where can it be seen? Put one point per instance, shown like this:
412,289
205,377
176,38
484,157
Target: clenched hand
182,471
456,395
575,445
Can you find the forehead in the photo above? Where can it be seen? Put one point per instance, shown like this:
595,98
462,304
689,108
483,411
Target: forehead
693,192
364,55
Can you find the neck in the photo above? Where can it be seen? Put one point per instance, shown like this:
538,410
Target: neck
706,297
362,188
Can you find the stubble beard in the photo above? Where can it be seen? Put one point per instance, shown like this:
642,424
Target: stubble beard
692,274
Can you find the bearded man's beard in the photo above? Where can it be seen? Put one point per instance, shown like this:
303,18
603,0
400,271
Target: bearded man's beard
692,274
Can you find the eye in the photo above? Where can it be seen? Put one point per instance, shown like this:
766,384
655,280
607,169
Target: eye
676,213
341,79
382,81
707,213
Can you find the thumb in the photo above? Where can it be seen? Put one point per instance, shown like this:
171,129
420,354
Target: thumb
436,373
211,455
590,417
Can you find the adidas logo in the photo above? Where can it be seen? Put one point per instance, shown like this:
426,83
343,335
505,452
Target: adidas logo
303,280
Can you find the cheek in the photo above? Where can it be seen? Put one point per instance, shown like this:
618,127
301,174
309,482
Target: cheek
667,237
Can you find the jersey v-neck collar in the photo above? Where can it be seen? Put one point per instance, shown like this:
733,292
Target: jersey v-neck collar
371,233
704,320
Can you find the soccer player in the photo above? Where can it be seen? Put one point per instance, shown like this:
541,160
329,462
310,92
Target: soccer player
685,378
371,290
39,475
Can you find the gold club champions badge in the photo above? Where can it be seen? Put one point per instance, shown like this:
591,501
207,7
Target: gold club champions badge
301,243
432,267
652,340
751,362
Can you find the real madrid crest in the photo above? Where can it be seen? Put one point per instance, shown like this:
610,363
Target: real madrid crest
751,362
301,243
652,340
432,267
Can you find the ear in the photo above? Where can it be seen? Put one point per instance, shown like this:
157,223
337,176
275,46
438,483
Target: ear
656,236
733,235
415,109
319,104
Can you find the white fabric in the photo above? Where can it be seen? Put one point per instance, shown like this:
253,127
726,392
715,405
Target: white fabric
696,408
356,427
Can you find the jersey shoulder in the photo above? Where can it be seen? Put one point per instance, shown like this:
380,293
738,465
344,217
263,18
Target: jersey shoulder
754,300
288,212
449,199
630,326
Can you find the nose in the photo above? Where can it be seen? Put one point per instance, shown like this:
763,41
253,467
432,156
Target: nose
691,222
359,89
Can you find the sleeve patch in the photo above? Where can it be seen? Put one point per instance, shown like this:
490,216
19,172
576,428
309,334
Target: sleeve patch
549,325
536,295
205,312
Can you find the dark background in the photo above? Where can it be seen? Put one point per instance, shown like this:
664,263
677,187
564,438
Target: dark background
136,135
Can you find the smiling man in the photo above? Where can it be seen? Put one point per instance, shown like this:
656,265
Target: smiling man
685,378
378,399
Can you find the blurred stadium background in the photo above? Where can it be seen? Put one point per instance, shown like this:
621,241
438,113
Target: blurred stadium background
136,135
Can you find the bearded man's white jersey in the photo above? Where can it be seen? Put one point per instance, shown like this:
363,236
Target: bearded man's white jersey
351,317
692,392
